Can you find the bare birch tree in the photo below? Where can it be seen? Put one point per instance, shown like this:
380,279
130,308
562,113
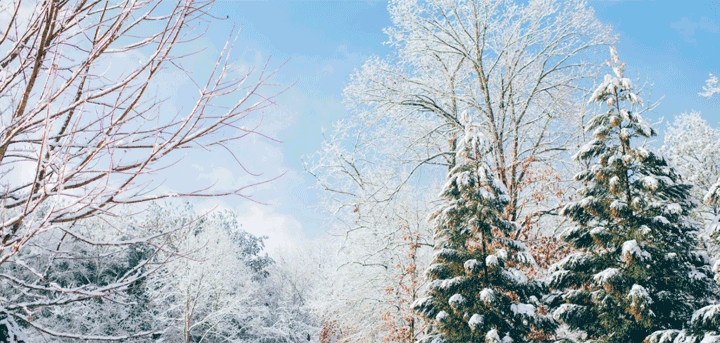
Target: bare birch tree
83,130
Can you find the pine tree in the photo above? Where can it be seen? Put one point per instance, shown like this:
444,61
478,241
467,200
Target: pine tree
477,293
637,270
705,322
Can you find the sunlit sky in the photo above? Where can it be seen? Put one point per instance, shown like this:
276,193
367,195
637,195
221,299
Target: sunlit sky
672,44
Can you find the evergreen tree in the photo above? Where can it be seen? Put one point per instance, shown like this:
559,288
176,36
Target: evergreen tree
477,293
637,270
705,322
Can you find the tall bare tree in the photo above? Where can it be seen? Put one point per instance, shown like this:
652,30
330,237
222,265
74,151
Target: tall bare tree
83,130
517,69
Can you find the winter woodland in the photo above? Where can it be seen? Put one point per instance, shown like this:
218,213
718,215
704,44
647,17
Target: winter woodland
496,181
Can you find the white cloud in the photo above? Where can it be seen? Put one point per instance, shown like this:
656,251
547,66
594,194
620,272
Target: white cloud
283,231
687,27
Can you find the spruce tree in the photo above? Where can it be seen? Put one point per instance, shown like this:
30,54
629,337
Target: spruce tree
476,291
636,270
705,322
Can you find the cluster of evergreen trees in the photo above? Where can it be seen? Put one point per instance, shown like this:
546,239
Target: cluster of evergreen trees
637,274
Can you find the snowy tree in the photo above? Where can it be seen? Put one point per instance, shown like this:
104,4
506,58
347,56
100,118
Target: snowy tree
222,287
476,292
711,87
691,147
225,288
84,126
705,322
513,67
636,270
360,267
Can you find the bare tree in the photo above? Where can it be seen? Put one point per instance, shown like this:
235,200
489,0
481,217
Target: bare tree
83,129
517,69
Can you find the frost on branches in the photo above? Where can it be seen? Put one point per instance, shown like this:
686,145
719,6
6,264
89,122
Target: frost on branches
711,87
691,147
84,127
475,291
636,270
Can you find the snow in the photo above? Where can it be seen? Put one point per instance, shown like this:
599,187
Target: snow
456,301
587,148
714,226
475,321
569,231
422,302
588,201
699,257
673,208
606,275
618,205
446,254
570,262
492,336
707,316
507,339
526,257
487,296
515,276
666,336
631,249
564,309
639,296
661,219
471,265
12,330
501,253
712,197
433,268
650,182
697,275
624,133
643,125
491,261
711,87
711,338
523,309
441,316
447,283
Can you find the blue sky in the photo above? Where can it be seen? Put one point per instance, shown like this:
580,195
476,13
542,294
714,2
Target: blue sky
672,44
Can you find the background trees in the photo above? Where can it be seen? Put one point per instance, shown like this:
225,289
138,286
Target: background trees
690,145
83,127
222,289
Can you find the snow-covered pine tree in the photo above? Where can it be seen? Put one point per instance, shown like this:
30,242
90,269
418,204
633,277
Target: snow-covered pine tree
476,293
705,322
637,270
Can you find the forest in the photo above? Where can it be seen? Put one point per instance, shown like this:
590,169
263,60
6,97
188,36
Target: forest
497,180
